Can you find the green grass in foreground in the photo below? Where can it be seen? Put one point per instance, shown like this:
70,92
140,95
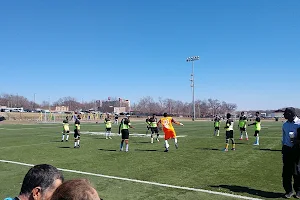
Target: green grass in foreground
198,163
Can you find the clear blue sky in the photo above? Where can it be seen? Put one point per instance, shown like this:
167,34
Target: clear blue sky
249,50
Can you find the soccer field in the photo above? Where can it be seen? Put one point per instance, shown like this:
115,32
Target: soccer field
199,169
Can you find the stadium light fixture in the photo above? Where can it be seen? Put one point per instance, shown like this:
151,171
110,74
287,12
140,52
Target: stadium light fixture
192,59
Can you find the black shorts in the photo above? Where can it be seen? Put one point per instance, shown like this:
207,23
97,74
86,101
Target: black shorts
66,131
108,129
217,128
229,134
154,130
242,129
125,134
148,127
76,133
256,133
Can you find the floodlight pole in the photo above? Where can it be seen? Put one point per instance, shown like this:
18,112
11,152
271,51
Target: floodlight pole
192,59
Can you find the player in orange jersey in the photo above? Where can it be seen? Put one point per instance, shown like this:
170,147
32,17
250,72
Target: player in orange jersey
168,129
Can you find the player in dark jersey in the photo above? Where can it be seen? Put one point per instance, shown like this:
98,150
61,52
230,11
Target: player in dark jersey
243,126
66,130
229,132
124,129
217,126
148,124
257,128
77,132
107,123
154,129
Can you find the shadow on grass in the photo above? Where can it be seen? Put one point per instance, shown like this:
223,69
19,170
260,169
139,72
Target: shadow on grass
107,149
270,150
146,150
210,149
255,192
101,138
64,147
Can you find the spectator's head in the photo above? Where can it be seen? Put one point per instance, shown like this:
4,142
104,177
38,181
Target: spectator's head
289,114
165,114
228,115
77,189
148,117
242,113
154,115
40,182
257,113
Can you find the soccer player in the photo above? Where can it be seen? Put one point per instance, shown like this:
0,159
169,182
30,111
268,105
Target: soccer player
116,119
107,123
229,132
77,132
217,126
66,129
124,129
243,125
257,128
148,124
169,130
154,128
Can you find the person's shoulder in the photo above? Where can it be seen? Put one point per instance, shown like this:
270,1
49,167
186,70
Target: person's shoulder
285,123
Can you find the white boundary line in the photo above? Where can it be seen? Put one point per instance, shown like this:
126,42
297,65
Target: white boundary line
140,181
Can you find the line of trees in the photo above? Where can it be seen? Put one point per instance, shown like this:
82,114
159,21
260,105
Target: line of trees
146,105
203,108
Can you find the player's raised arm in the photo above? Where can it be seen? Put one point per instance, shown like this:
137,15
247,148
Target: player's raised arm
178,123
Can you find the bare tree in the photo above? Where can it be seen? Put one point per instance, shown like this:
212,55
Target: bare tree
214,105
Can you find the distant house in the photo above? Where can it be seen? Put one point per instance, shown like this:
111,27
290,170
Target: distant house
61,108
277,113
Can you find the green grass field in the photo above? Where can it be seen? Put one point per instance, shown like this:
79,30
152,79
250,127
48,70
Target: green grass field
199,163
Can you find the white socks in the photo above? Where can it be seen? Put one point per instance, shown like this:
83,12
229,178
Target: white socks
166,144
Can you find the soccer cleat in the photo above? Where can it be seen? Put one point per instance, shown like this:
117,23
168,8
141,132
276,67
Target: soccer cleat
106,138
157,139
297,196
247,139
225,149
176,145
121,149
110,137
62,141
256,144
241,139
166,150
233,149
289,195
